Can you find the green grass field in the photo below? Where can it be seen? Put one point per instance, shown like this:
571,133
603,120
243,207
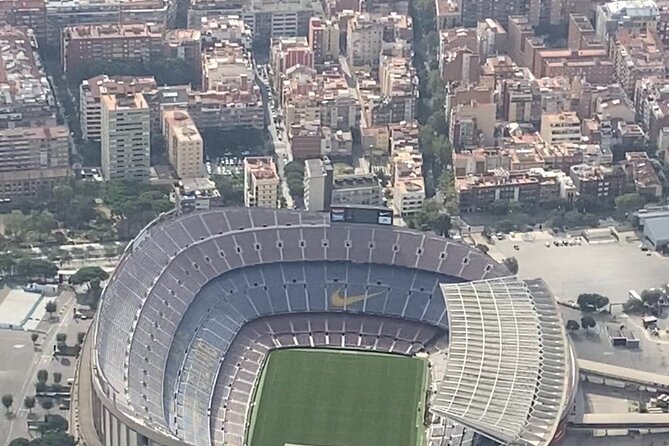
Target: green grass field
339,398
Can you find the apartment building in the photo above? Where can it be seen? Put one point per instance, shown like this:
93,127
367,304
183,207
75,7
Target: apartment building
227,109
475,11
32,160
492,38
287,52
364,38
227,65
651,102
478,192
472,124
267,20
408,181
324,40
29,14
318,179
185,148
27,97
323,98
91,92
598,181
448,14
642,174
226,28
636,56
125,137
632,15
581,33
86,44
357,189
186,45
47,18
562,127
459,58
261,182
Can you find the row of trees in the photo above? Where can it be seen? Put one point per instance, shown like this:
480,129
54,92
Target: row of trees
294,173
12,264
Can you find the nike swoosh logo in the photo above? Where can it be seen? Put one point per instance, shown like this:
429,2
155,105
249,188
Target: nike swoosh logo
339,301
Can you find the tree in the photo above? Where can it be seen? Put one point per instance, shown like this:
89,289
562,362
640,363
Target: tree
80,337
53,423
591,301
54,439
57,377
19,442
588,322
629,203
36,268
46,403
29,403
51,307
573,325
7,401
651,297
87,274
42,376
61,338
34,337
512,264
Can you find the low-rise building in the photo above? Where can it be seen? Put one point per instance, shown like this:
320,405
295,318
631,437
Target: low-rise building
196,194
227,65
261,182
90,92
83,45
598,181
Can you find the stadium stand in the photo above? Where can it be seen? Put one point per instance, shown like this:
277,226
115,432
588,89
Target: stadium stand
198,300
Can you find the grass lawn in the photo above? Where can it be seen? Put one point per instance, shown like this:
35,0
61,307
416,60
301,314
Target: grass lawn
339,398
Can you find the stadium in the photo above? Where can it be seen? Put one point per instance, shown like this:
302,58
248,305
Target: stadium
266,327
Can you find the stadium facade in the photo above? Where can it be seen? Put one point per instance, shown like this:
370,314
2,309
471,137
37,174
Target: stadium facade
197,302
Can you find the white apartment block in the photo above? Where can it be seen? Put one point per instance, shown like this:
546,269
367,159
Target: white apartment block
125,137
184,144
261,182
408,182
560,128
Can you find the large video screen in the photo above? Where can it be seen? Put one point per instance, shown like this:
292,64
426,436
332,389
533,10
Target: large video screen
369,215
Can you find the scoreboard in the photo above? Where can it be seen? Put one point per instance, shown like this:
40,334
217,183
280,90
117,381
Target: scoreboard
361,214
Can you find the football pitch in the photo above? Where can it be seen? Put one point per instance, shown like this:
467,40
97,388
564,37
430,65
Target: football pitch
312,397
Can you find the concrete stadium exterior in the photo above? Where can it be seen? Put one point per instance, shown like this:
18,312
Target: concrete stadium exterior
198,301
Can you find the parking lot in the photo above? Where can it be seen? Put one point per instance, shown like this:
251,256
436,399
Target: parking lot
608,268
